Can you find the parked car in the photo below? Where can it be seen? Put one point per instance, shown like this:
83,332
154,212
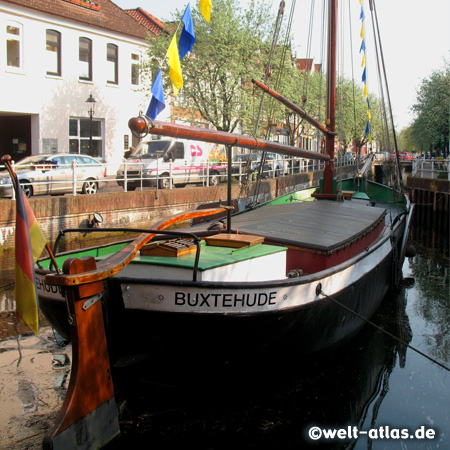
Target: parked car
52,174
279,164
241,165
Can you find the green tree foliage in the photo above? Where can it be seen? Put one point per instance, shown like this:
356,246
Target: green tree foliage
234,48
430,129
228,53
405,140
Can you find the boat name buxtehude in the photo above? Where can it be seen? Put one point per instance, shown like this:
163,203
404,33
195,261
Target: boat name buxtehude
225,300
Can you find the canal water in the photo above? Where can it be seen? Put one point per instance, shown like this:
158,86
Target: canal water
375,392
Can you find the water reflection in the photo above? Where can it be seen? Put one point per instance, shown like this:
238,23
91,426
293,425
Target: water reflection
431,298
372,381
275,403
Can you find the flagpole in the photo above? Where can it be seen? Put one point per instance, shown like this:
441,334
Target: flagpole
6,159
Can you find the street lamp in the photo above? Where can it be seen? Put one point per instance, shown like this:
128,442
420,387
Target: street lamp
91,104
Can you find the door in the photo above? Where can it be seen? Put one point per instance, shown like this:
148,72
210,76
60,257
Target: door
180,166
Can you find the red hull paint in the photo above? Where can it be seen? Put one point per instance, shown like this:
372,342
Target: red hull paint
311,261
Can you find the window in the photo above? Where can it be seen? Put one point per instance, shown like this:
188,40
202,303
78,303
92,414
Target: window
14,45
85,58
135,69
53,47
112,57
80,137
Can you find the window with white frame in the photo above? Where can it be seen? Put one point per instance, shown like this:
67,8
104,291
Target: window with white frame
85,59
53,52
85,136
112,58
135,69
14,37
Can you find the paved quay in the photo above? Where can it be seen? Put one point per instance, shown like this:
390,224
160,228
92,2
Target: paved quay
34,377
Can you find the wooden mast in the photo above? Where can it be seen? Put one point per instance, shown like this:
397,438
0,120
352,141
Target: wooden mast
328,174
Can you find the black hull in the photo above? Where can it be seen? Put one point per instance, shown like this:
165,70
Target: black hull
222,338
217,338
196,339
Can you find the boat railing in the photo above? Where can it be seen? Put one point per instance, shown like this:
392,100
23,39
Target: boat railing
173,234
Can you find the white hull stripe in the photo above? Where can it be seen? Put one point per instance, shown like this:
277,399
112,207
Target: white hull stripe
248,299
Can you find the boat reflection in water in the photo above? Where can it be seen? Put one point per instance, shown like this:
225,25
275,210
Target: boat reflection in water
272,404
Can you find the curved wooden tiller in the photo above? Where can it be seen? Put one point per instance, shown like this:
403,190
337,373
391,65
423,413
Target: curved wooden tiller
88,417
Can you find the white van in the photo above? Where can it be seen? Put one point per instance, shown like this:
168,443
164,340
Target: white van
179,161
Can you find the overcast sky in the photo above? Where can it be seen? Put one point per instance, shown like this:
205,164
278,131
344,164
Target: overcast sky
415,36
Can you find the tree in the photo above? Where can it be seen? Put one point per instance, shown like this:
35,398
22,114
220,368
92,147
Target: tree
405,140
430,129
228,52
234,48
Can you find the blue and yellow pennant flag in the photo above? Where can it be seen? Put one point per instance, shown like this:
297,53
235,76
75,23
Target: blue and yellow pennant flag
175,53
187,38
157,103
205,9
175,73
364,74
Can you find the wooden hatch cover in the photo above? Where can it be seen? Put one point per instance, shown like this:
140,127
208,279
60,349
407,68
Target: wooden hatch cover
173,247
234,240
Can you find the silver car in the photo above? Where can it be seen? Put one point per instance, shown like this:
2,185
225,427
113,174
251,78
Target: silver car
53,174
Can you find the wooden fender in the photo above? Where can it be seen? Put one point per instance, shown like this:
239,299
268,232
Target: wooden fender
88,418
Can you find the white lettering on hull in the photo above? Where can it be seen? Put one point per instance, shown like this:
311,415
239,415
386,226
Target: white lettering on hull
47,290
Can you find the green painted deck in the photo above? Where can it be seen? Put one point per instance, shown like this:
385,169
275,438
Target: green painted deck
210,256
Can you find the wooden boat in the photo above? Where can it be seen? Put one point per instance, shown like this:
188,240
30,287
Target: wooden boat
303,271
280,276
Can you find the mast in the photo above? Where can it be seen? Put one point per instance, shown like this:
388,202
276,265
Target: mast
328,174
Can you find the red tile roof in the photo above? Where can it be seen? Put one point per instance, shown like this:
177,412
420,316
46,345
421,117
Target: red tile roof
149,21
109,17
304,64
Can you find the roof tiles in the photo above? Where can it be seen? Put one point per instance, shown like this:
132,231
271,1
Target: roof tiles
109,17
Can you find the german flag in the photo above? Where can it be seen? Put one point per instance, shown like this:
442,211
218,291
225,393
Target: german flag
30,243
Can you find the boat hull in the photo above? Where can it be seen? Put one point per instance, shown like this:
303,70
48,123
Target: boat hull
208,321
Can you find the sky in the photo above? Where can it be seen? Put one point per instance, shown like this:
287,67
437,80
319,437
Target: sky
415,36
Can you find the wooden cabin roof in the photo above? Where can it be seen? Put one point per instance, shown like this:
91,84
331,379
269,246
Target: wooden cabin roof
321,225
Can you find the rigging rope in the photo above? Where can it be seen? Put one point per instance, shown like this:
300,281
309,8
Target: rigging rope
374,13
308,54
435,361
277,82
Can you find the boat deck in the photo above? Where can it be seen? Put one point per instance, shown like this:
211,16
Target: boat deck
320,225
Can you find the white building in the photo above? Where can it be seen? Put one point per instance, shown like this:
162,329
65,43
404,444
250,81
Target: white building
55,54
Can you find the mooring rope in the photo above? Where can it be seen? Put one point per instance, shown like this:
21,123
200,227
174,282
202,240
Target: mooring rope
435,361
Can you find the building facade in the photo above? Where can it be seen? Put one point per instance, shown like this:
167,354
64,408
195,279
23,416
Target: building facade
57,54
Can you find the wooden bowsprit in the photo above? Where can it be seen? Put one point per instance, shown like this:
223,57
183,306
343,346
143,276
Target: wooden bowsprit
88,418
